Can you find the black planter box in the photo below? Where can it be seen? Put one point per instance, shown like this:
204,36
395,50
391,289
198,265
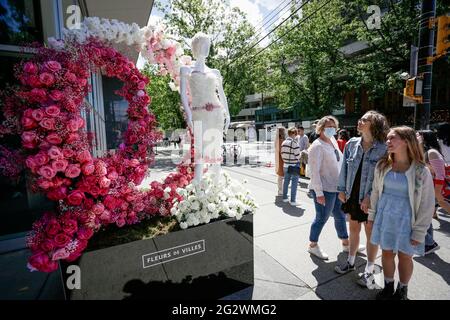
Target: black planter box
205,262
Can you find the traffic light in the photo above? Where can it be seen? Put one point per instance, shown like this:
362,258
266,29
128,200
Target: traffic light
409,88
443,35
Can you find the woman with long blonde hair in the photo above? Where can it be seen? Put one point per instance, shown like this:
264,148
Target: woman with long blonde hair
401,208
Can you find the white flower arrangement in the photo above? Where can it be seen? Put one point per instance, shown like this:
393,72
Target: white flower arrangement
206,201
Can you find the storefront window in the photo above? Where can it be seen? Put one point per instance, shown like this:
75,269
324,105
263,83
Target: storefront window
20,22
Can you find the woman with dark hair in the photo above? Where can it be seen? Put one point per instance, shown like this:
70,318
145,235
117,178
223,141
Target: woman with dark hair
435,162
343,139
361,155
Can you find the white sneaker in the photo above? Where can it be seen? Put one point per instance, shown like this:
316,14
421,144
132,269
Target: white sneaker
295,204
318,252
285,200
360,249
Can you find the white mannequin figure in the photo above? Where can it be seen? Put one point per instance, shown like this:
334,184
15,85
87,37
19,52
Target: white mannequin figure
208,110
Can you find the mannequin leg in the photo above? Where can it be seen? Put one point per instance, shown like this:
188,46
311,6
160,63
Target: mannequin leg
198,172
216,170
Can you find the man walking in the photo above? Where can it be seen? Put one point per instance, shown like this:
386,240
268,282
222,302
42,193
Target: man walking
290,153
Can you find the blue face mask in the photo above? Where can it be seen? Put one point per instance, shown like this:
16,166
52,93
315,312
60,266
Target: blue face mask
330,132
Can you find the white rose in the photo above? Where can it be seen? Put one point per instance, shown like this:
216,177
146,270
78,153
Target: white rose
211,207
183,225
195,205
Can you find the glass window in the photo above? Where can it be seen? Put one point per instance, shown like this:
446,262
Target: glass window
116,119
20,22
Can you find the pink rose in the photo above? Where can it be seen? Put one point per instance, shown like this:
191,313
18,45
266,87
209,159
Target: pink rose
72,171
68,153
53,227
55,153
31,163
113,175
54,138
69,76
70,106
60,165
104,182
141,85
70,226
37,114
41,158
100,168
105,216
45,184
61,239
38,95
53,66
47,79
80,122
42,262
98,208
28,136
30,67
84,156
73,137
72,125
56,95
52,111
121,222
134,163
48,123
59,193
34,81
28,123
75,198
60,254
88,168
94,190
47,172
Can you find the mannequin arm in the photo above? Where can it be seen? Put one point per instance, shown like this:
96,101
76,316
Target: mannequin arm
184,72
223,99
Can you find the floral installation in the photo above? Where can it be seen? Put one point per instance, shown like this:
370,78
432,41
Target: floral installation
90,193
205,201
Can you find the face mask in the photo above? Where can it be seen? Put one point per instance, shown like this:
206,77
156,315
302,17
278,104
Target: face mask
330,132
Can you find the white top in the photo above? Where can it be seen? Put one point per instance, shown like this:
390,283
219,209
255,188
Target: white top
324,168
302,142
203,86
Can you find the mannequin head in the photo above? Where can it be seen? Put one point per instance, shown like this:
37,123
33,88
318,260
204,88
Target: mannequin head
200,45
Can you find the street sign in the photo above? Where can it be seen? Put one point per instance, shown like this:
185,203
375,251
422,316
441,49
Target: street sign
408,102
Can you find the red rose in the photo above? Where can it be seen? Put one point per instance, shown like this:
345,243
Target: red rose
52,111
88,168
85,233
31,163
28,123
48,123
52,227
53,66
113,175
94,190
72,125
110,202
59,193
40,261
69,226
47,79
69,76
47,245
60,165
73,137
55,153
30,67
72,171
141,85
56,95
34,81
75,198
38,95
104,182
70,106
29,145
84,156
61,239
100,168
98,208
47,172
54,138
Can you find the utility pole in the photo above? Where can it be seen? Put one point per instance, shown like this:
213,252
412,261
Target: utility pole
425,63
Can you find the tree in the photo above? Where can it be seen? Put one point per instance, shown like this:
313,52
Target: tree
230,34
165,103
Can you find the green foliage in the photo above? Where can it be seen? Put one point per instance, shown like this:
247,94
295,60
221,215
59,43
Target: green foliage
165,104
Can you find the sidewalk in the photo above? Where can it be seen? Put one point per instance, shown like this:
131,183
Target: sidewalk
284,270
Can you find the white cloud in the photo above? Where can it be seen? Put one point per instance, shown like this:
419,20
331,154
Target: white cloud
252,10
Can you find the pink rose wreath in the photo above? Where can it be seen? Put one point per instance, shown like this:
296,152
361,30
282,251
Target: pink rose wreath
88,192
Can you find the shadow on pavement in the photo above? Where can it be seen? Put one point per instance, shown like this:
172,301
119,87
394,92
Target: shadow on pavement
433,262
288,209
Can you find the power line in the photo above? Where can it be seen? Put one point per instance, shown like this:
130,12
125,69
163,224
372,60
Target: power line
290,30
293,13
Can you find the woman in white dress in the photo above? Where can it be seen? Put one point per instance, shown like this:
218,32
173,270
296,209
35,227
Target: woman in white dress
207,113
